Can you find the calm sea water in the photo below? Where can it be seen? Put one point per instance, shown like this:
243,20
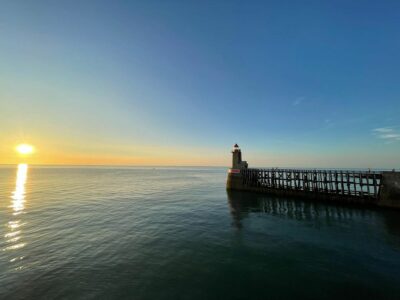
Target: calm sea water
175,233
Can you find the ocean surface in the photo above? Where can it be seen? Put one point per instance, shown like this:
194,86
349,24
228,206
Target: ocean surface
175,233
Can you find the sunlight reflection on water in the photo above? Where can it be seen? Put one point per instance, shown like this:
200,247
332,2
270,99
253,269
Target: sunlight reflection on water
13,236
18,195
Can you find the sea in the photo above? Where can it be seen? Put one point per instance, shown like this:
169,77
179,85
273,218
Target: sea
176,233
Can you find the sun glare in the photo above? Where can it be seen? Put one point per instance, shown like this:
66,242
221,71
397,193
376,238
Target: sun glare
24,149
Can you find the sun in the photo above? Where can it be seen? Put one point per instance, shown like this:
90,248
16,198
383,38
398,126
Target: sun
24,149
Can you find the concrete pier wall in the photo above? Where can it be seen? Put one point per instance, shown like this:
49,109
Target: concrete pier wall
234,181
390,190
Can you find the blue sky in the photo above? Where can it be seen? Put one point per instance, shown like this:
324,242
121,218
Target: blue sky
295,83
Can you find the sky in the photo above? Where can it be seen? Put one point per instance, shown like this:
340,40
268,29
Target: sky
294,83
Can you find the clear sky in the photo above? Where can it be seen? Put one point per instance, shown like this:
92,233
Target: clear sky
295,83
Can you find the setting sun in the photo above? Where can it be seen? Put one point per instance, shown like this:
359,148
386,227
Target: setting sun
24,149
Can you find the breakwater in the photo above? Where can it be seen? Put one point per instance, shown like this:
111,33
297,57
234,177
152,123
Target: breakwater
363,187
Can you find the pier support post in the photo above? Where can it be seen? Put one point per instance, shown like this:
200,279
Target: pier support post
389,195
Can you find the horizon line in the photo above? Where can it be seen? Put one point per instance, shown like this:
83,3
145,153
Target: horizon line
197,166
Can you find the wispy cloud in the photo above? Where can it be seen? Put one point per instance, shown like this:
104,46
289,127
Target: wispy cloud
298,101
390,134
383,129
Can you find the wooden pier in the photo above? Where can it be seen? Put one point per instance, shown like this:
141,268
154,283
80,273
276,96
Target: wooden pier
363,186
366,187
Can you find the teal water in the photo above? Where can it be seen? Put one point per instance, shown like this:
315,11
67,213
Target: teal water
175,233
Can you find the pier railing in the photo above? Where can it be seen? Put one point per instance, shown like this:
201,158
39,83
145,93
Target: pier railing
350,183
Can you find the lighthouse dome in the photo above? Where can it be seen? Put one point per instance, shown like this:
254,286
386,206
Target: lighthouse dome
235,148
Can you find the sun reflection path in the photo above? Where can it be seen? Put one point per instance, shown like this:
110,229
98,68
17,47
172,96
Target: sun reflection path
18,195
13,236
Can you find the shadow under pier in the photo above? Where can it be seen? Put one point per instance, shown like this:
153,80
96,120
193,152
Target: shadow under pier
244,203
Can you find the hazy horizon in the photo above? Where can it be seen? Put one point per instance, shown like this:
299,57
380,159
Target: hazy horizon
195,166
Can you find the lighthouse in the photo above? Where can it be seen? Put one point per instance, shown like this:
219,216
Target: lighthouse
234,180
237,162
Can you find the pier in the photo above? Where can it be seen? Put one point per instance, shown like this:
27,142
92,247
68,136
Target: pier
375,188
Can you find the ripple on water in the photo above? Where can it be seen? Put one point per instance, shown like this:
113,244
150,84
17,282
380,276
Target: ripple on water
147,233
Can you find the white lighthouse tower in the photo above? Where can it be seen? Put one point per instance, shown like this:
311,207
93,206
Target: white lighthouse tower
234,180
237,162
